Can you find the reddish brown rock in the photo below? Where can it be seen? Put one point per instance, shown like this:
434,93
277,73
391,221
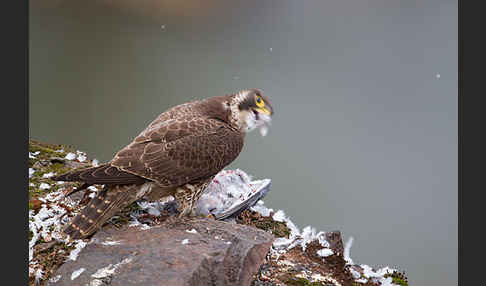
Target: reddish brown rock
177,252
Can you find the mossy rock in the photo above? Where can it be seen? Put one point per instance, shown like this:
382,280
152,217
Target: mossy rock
398,278
49,158
279,229
299,281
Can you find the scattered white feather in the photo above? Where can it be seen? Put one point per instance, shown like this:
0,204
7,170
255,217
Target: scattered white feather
59,151
44,186
93,188
368,272
355,273
70,156
32,155
185,241
264,130
325,252
262,210
75,252
76,273
279,216
55,278
387,282
115,242
191,231
95,163
38,275
347,250
81,156
48,175
31,172
110,269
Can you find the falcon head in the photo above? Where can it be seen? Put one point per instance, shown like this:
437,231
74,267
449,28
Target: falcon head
253,110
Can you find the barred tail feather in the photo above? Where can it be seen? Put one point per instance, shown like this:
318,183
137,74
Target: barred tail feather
101,208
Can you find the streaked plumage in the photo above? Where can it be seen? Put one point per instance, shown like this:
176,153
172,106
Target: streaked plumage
178,154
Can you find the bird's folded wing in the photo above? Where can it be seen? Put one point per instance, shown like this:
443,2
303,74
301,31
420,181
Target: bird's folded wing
181,152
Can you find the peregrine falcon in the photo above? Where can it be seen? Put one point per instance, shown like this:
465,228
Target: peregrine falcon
178,155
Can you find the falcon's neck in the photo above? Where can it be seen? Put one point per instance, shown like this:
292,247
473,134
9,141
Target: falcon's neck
226,108
238,117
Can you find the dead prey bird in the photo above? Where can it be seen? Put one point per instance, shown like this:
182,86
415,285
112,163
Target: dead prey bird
177,155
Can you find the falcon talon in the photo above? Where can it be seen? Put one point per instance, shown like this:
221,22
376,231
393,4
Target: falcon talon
178,154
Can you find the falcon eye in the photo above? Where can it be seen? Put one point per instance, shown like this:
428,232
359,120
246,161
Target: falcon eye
259,101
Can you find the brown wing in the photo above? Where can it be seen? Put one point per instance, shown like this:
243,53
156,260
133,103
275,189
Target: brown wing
181,151
104,174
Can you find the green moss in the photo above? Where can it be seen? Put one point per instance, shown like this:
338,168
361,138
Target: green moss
279,229
48,149
302,282
398,278
43,163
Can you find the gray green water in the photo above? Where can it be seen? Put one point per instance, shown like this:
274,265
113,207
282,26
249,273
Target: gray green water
364,138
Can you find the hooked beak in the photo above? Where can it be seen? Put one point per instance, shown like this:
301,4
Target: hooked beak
264,111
